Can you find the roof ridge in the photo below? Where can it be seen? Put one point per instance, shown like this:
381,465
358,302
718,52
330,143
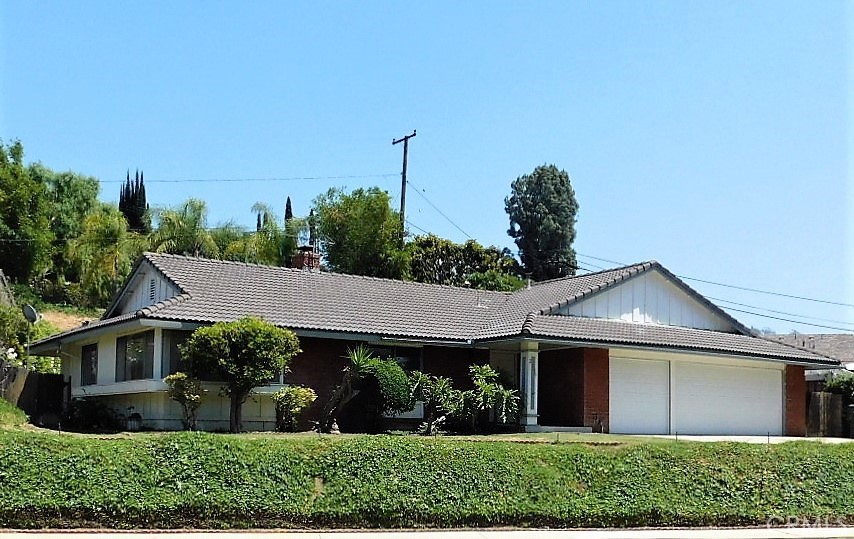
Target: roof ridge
606,270
625,272
322,273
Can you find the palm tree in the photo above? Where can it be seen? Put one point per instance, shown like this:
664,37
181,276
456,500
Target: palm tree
269,244
105,252
183,230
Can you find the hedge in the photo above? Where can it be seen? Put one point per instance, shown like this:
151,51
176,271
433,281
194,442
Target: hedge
222,481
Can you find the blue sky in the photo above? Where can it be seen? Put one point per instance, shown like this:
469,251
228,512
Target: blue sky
714,137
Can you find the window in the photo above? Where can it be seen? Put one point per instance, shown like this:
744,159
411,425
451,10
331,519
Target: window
172,341
135,357
89,365
152,290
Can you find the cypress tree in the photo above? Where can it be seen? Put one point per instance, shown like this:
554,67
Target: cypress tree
289,213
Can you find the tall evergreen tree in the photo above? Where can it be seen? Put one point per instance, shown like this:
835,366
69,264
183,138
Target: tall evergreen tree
133,205
289,212
542,210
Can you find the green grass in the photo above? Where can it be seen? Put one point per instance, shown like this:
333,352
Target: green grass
10,416
265,480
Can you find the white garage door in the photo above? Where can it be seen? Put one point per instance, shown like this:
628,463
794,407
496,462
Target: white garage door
713,399
639,396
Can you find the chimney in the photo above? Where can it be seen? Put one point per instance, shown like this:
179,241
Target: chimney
306,258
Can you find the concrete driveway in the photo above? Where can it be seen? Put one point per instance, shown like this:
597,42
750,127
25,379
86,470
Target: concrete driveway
751,439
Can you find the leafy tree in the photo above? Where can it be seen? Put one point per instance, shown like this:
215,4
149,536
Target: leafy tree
227,234
246,354
542,210
188,393
439,261
105,252
439,398
184,231
360,233
25,235
71,197
497,280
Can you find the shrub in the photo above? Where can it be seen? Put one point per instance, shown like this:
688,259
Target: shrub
290,402
382,388
841,383
388,382
466,409
187,392
439,398
90,415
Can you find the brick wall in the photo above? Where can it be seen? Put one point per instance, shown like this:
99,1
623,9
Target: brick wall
319,367
596,388
796,393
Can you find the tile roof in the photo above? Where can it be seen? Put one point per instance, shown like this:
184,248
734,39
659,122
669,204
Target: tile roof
835,345
215,290
619,332
301,299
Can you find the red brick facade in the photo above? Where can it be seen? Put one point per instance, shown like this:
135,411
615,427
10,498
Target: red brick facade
596,388
574,388
796,395
319,367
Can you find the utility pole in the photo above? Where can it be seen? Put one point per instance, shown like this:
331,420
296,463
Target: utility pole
405,141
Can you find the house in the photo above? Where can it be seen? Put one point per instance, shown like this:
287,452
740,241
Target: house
836,345
628,350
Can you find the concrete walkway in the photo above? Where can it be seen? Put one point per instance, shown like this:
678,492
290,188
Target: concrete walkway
688,533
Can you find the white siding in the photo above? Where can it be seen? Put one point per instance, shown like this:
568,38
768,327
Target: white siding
150,287
651,299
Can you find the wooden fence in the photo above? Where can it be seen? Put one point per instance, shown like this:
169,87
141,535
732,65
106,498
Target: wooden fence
43,397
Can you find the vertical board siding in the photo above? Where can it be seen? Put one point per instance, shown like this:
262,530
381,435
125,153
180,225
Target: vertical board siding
141,295
649,299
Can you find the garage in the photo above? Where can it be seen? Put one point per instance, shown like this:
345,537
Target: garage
658,397
716,399
639,396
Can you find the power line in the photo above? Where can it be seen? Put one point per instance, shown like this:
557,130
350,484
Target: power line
747,289
788,320
283,179
828,302
418,190
413,225
779,312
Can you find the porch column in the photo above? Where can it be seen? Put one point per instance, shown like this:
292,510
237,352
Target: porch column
528,380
